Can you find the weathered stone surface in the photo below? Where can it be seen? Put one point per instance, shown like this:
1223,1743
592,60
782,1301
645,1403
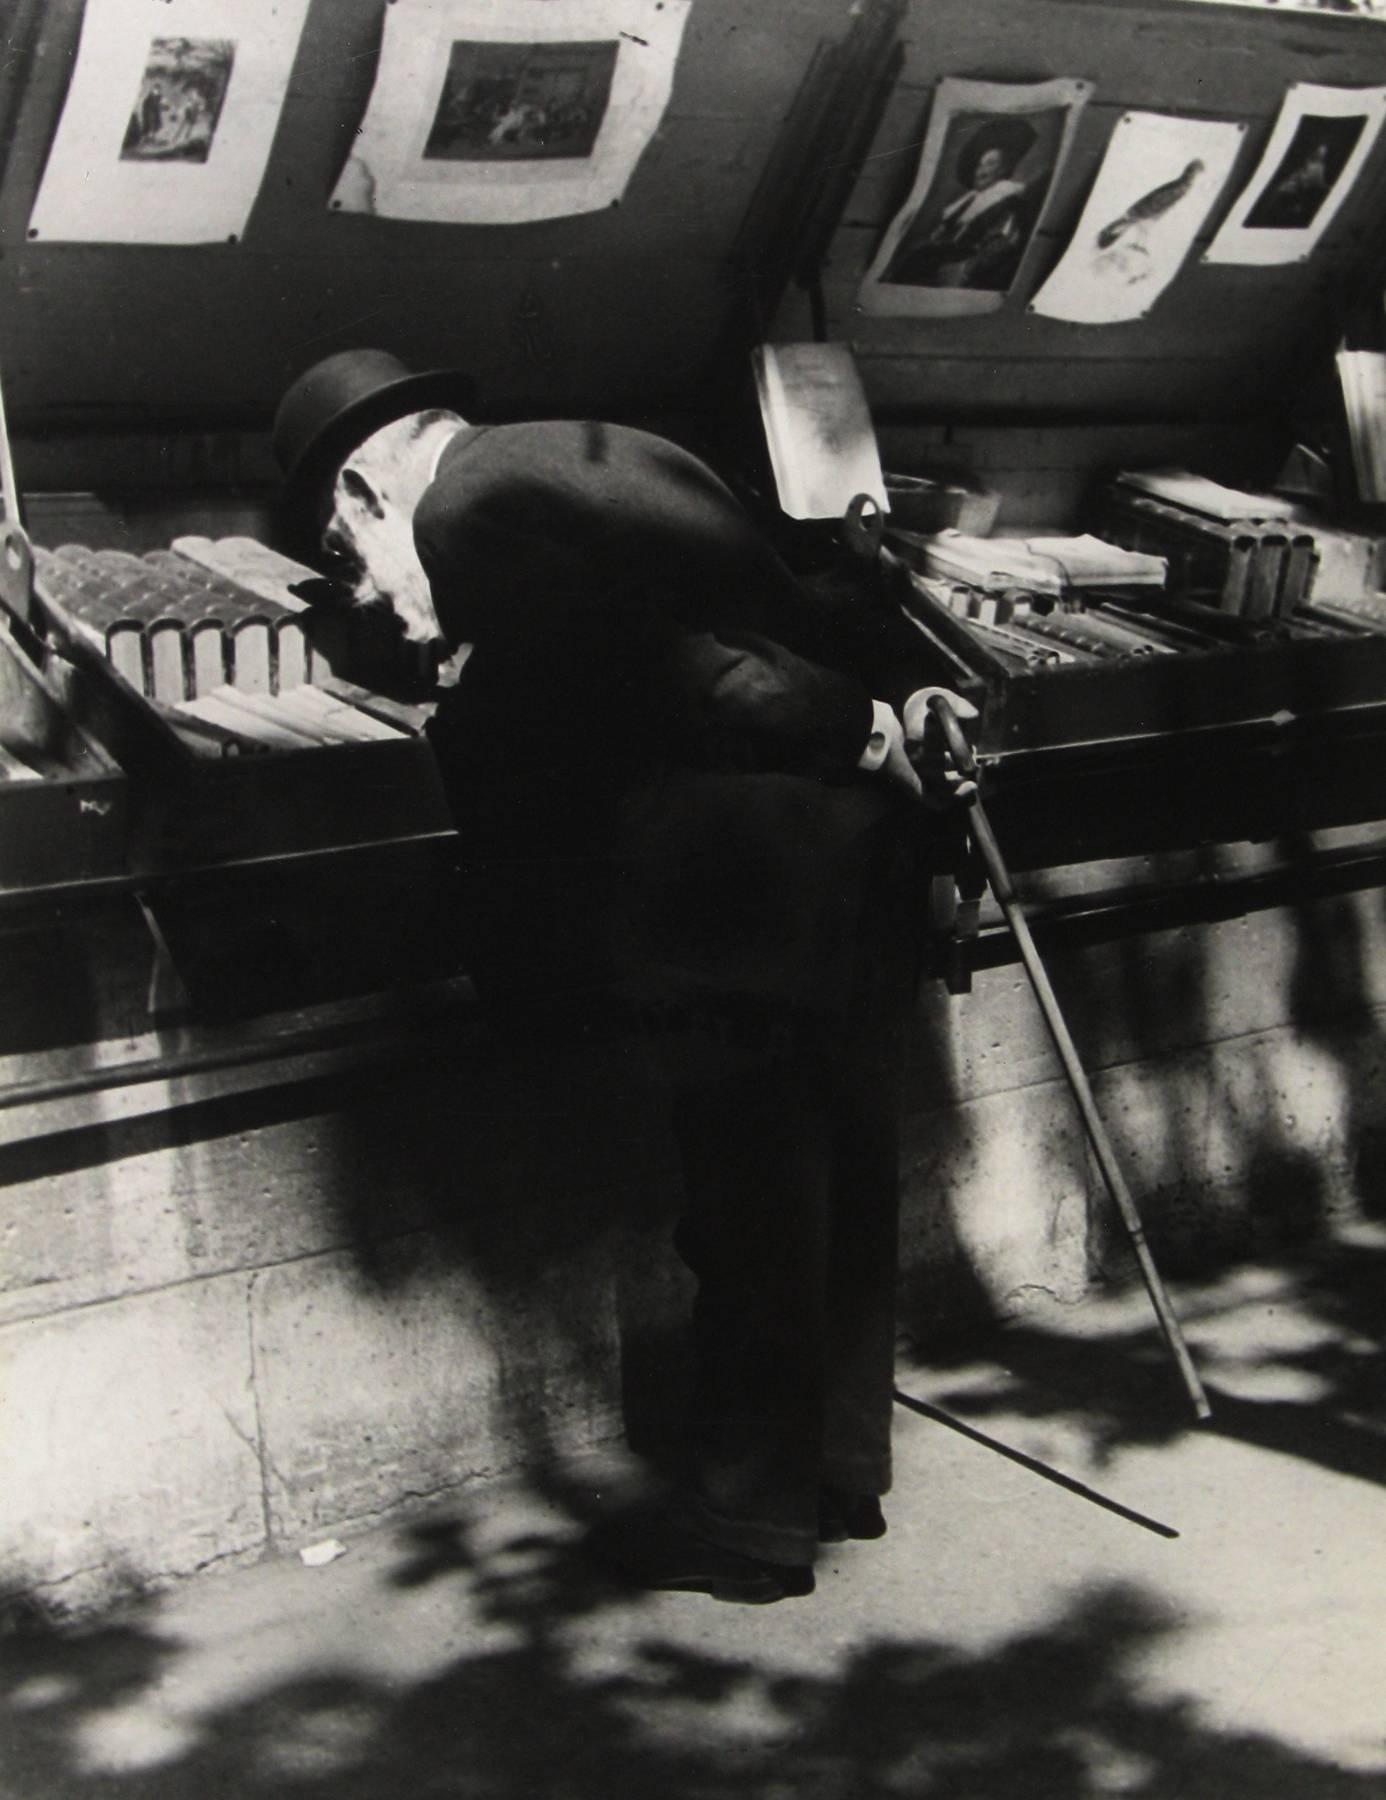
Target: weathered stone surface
237,1184
998,1189
129,1437
388,1281
377,1386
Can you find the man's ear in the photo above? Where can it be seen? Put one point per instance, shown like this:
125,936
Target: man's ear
354,483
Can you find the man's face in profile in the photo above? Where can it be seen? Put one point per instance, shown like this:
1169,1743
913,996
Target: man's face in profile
370,532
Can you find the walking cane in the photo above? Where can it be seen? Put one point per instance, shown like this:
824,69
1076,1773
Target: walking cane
964,760
864,529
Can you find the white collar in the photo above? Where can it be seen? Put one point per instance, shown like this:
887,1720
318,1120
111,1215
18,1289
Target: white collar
438,453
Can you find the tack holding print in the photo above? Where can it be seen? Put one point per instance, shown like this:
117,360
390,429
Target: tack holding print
1156,186
496,114
1314,155
165,135
987,167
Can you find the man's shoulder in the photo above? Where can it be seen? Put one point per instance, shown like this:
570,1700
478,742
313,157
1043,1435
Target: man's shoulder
578,463
569,443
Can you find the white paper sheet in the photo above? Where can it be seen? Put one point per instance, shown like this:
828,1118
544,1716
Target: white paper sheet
1155,188
817,428
500,111
960,244
168,121
1311,161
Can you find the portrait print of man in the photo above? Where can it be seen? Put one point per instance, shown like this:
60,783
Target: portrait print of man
1307,173
976,221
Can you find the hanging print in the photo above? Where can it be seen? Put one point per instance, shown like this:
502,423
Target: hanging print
521,102
986,169
179,104
1155,188
493,114
165,134
1315,153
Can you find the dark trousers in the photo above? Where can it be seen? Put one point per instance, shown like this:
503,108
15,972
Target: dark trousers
791,1169
766,930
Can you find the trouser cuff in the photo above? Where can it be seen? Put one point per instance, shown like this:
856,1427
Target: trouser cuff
858,1474
751,1537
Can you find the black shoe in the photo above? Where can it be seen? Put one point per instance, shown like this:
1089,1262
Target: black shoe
653,1551
842,1515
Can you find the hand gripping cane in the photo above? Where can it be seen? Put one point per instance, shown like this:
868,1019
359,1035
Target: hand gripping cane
961,753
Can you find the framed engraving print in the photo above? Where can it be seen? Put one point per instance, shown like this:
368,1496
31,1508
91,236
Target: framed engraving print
498,114
1157,185
987,166
167,124
1316,150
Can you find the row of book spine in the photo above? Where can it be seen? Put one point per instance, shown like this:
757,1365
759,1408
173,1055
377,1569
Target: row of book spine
1029,634
1024,634
177,631
1252,568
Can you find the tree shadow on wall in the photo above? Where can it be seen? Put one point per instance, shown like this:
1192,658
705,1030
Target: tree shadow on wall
1331,989
535,1183
1057,1711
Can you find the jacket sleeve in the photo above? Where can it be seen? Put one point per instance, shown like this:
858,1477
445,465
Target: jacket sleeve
736,698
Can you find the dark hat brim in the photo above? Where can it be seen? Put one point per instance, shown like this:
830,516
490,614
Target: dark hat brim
319,459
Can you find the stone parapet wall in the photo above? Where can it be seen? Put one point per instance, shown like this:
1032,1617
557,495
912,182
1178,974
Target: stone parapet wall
244,1310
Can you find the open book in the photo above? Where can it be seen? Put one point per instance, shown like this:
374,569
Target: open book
817,428
1362,374
1041,565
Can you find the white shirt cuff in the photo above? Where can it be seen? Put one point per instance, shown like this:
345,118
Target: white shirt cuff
886,730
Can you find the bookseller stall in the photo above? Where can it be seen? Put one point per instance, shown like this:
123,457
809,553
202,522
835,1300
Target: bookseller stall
1097,283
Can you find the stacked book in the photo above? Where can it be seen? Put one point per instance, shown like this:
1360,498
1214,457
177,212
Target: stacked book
1244,553
212,633
1040,602
173,628
1024,631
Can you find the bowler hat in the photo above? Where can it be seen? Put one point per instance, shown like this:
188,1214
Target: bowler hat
340,401
1012,136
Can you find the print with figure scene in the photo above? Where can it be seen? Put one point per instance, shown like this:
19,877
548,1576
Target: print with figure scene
174,118
521,102
975,223
1307,173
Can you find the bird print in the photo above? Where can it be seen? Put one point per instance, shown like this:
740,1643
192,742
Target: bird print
1153,205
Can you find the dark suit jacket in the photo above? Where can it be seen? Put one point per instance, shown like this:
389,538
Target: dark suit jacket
652,749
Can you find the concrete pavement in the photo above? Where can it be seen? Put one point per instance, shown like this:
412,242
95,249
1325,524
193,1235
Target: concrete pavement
1205,1620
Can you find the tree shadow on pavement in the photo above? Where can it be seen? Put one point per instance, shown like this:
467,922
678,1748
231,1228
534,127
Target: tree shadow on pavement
555,1685
1292,1353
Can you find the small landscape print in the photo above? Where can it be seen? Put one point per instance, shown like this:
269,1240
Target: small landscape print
180,100
521,102
1307,174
